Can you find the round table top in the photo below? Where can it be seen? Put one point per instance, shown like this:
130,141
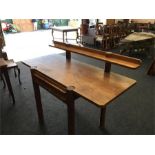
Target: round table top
138,36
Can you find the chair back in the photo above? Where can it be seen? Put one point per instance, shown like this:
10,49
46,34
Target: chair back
99,29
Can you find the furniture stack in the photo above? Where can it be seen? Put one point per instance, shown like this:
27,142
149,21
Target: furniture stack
109,36
88,39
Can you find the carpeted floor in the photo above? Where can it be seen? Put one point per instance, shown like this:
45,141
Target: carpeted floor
131,114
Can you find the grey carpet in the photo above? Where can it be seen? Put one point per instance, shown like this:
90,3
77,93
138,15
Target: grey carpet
130,114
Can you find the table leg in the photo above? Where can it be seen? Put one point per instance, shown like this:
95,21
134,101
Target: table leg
66,36
68,55
6,75
63,38
77,36
38,101
107,67
52,34
71,111
71,118
102,117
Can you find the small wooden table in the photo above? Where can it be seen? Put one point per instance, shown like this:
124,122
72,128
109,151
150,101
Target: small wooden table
3,68
69,79
65,30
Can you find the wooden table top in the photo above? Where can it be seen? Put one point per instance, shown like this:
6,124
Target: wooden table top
2,63
64,28
90,82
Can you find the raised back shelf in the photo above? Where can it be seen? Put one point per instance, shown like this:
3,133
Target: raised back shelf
109,57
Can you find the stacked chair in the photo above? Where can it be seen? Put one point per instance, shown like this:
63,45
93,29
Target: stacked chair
109,36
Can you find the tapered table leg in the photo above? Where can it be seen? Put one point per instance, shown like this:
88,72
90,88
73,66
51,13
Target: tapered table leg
38,101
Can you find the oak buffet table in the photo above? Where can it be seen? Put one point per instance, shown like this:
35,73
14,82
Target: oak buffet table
69,79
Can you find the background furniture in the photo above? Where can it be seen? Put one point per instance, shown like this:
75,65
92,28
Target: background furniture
65,30
88,38
139,42
109,36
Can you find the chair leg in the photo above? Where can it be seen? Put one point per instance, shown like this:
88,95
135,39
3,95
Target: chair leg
15,72
19,76
4,85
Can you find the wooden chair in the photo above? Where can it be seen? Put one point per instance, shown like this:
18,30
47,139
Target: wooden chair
99,35
10,65
102,36
107,34
116,36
